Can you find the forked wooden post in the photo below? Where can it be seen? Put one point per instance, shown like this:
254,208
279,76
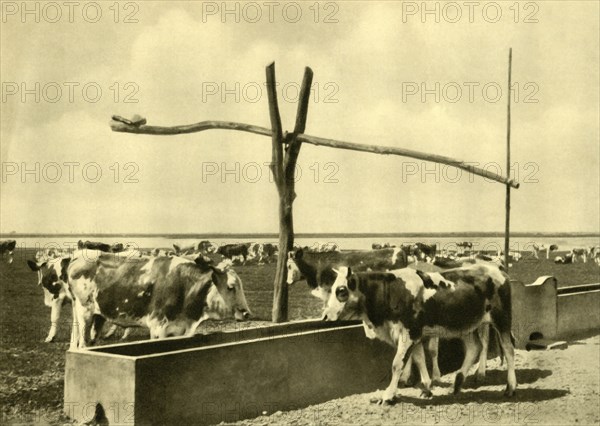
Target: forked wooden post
283,167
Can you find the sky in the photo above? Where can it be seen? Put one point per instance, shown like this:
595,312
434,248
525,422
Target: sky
385,73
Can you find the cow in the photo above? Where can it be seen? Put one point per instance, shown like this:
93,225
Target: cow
52,277
158,252
579,253
425,252
464,246
7,247
537,249
595,254
231,251
51,266
317,268
170,296
377,246
403,307
564,260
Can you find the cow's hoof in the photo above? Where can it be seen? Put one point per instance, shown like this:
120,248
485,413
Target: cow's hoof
509,392
49,339
426,393
381,401
479,379
458,383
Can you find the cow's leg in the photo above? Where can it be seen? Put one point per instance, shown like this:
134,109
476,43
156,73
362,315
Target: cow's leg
472,349
74,327
126,333
403,344
508,348
55,307
97,324
484,336
84,319
407,373
111,331
418,357
433,349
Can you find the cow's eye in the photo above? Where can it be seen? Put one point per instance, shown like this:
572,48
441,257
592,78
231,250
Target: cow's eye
341,293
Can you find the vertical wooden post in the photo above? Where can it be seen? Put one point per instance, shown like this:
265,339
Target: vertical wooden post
507,226
284,167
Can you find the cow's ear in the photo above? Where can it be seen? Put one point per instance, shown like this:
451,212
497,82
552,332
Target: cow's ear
352,283
298,254
177,248
34,266
64,264
204,263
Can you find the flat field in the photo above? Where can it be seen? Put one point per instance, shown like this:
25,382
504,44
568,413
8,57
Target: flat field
32,372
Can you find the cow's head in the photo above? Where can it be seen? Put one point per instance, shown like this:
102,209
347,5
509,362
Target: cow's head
345,297
293,271
52,274
229,285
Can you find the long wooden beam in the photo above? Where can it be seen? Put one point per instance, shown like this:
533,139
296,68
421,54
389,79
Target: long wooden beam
120,126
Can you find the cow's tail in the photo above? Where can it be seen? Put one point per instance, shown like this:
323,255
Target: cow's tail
499,343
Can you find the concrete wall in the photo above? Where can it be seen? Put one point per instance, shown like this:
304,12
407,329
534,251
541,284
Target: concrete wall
227,381
554,313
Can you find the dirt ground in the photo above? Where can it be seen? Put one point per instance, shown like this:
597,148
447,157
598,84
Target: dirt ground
32,372
555,387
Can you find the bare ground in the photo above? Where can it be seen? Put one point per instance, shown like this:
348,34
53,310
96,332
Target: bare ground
555,387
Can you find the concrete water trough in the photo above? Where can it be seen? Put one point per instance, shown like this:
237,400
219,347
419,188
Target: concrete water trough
228,376
543,311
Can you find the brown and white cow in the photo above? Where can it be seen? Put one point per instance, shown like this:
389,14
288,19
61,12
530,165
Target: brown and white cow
6,249
51,266
169,295
318,268
52,277
537,249
579,253
404,306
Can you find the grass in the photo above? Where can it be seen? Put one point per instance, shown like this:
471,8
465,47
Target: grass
32,372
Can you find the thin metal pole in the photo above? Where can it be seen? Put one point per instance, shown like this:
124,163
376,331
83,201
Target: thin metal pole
507,227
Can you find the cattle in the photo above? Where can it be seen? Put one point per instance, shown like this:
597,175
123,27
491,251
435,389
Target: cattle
317,268
405,306
377,246
464,246
564,260
595,254
158,252
425,252
262,252
51,266
537,249
171,296
107,248
203,247
52,277
322,247
7,248
231,251
579,253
